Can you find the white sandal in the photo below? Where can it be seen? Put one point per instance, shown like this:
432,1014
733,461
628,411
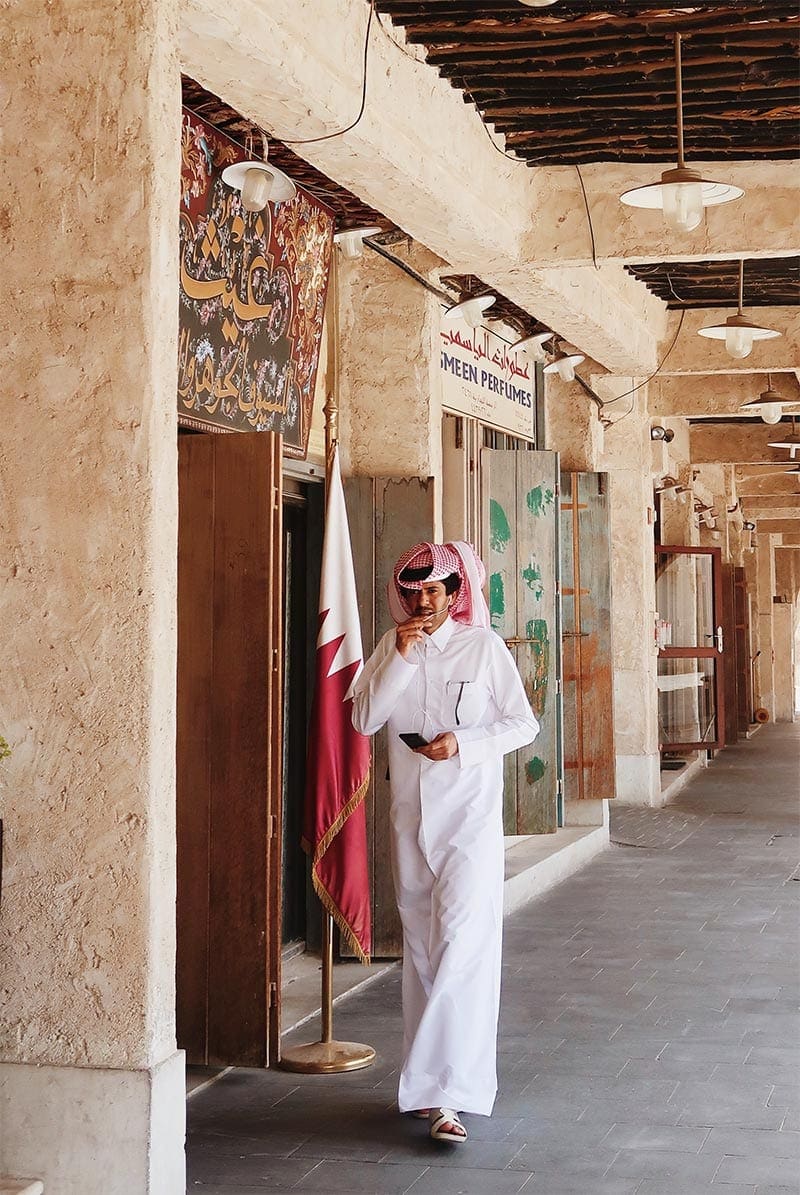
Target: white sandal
442,1116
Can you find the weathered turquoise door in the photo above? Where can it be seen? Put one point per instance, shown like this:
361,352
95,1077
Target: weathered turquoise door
520,547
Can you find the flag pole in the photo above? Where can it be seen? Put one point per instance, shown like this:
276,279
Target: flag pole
328,1056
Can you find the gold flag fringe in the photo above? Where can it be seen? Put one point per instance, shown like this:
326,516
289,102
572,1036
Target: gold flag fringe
322,892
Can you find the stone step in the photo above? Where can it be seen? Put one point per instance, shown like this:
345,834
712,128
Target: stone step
21,1186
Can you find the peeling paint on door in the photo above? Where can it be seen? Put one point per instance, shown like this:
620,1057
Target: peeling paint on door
499,530
539,499
536,631
534,769
497,600
532,576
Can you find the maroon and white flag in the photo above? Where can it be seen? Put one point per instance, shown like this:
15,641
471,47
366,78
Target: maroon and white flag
337,773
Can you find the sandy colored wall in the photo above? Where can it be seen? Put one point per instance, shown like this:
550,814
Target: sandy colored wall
89,505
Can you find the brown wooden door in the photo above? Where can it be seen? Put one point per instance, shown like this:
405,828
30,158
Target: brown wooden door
743,651
229,747
691,690
730,668
589,756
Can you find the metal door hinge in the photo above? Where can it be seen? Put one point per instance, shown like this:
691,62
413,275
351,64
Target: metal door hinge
273,826
273,995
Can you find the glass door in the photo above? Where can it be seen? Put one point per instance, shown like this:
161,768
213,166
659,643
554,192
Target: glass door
690,647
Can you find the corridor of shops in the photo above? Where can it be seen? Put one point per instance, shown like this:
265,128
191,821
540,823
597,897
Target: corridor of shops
649,1040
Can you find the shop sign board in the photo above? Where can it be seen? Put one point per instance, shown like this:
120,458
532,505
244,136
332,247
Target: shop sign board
483,377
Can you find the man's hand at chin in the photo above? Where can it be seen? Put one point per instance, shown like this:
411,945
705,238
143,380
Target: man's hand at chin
444,746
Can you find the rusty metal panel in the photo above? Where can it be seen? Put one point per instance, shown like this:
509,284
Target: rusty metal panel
521,535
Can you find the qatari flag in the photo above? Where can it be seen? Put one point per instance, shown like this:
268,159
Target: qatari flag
334,831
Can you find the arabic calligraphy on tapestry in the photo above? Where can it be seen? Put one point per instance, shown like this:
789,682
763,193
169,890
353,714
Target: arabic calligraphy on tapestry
252,298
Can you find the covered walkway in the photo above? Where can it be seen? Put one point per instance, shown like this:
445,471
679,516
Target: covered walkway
650,1034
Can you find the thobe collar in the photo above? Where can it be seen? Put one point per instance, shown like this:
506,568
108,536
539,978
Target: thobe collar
441,636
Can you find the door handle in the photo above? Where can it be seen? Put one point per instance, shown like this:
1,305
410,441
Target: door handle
718,640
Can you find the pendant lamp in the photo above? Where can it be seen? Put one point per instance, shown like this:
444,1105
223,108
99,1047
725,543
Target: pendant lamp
564,366
470,310
351,240
259,183
682,193
769,404
792,442
533,346
738,332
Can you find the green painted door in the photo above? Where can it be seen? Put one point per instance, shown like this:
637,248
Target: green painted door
520,547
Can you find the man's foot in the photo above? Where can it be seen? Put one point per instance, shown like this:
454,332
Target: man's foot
445,1126
421,1113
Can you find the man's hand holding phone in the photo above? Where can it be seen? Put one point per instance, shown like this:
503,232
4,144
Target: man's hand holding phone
444,746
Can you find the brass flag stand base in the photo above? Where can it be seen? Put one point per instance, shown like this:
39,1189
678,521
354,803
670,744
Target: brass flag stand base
327,1057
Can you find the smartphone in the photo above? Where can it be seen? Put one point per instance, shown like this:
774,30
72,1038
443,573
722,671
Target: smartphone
412,739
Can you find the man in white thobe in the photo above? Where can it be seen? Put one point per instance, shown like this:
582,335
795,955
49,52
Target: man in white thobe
444,674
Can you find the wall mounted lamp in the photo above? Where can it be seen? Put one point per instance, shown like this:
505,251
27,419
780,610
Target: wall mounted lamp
259,183
537,3
350,241
748,525
471,310
662,433
738,332
564,365
533,346
682,193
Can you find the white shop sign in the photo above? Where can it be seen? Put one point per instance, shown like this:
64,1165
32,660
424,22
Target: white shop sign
482,376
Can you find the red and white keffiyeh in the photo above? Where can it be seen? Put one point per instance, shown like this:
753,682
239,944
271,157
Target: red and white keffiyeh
469,604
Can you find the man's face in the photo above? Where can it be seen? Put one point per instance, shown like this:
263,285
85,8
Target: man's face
433,599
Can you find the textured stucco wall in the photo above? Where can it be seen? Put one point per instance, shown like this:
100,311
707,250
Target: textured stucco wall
389,401
627,457
88,551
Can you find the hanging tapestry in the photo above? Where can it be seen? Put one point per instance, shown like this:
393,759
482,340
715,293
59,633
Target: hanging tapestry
252,298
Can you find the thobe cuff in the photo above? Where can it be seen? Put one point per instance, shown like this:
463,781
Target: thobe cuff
471,746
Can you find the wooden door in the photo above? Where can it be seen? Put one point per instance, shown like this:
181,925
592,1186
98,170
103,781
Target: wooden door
691,690
229,747
588,689
520,547
386,516
730,672
743,651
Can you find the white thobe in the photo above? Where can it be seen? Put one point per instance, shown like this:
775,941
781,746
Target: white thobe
447,849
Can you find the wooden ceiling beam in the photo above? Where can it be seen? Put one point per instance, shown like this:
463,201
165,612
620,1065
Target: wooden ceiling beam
607,50
627,69
453,39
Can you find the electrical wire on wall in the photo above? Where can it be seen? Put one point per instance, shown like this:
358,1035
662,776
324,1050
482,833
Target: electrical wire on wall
352,125
656,371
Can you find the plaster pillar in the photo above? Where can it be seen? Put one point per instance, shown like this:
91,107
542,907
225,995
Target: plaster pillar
91,1086
572,426
389,401
764,590
627,458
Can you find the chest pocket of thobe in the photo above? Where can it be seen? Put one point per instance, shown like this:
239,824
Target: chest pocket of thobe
465,701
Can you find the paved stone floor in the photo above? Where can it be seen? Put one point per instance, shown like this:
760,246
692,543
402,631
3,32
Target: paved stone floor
650,1036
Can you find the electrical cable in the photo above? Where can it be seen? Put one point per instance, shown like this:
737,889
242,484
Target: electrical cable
340,132
442,295
656,371
588,217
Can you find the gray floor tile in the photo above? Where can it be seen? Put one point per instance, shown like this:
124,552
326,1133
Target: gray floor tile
776,1172
372,1177
649,1036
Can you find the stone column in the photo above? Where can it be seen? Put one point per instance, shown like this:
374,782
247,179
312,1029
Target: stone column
91,1085
627,457
389,401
